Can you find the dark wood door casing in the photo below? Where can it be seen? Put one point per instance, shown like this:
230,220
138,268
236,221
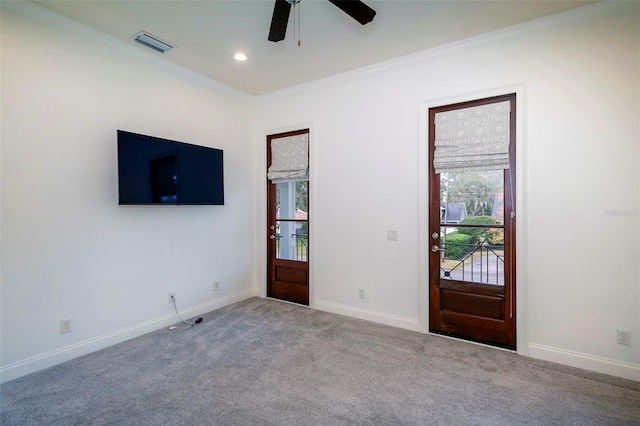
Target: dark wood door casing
463,309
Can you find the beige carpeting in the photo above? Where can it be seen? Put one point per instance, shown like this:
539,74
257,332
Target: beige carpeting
263,362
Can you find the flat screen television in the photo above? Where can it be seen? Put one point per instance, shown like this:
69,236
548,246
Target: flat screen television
160,171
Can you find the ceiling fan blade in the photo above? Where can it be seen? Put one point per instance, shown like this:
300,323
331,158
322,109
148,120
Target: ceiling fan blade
279,20
356,9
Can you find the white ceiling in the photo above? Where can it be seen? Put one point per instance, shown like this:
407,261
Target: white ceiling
207,33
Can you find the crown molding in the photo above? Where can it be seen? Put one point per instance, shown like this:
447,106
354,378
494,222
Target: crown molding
532,28
54,20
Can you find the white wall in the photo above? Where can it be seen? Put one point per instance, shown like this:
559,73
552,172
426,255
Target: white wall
69,250
579,272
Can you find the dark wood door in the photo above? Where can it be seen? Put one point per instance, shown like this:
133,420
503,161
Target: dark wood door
287,235
472,242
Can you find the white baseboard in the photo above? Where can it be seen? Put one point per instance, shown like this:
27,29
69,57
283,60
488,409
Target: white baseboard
49,359
612,367
365,314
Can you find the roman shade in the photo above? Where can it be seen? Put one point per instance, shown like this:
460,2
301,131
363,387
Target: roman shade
289,159
474,138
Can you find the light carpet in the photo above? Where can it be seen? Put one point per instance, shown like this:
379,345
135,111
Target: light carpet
264,362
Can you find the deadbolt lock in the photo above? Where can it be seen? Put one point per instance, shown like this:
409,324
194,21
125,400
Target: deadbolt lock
435,235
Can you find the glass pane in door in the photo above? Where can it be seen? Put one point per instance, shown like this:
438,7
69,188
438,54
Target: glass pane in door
472,197
292,200
291,221
467,255
292,241
472,253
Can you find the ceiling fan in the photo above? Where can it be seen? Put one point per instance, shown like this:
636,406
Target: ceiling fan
354,8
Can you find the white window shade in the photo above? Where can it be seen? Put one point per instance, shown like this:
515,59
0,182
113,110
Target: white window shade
475,138
289,159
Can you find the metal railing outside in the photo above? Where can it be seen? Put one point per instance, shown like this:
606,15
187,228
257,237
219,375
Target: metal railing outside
301,244
302,247
480,263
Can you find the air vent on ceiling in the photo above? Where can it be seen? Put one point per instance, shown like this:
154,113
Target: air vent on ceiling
152,42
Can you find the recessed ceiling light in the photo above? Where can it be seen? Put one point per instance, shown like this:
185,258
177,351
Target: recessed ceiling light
240,56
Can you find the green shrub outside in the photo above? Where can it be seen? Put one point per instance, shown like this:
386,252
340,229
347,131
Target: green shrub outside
456,245
482,235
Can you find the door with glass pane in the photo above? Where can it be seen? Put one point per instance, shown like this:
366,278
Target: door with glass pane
472,228
287,233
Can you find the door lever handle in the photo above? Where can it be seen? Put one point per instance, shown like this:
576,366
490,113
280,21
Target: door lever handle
273,237
436,249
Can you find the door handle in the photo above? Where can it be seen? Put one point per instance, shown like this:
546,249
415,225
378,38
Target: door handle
436,249
273,237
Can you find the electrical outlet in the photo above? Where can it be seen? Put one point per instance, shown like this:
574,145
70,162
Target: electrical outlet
624,337
172,297
361,293
216,286
65,325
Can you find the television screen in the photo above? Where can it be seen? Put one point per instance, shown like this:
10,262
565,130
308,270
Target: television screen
159,171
